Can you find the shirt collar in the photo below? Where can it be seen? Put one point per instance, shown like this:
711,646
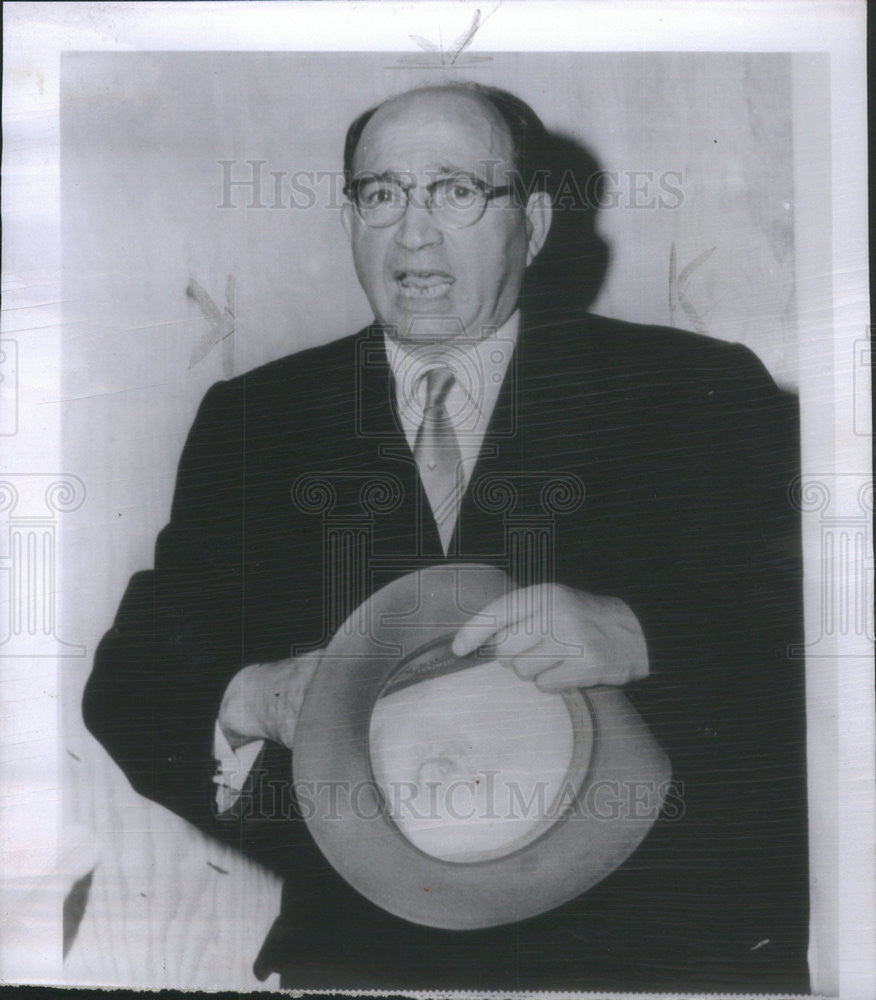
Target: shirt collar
479,367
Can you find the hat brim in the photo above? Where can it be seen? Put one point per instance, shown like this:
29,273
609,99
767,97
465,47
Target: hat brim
620,781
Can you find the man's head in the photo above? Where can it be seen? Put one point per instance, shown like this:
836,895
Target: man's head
433,267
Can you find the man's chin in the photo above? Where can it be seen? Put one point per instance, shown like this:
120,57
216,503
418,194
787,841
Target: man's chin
427,329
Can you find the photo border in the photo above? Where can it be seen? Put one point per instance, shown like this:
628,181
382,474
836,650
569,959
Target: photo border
832,301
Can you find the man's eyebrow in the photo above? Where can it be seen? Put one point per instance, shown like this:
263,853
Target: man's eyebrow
441,171
384,175
439,174
368,175
449,170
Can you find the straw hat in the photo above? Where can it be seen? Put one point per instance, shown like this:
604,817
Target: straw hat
449,791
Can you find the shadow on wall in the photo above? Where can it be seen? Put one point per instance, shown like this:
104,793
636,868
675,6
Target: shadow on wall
566,277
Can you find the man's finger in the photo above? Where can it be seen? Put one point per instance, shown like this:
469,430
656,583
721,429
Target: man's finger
499,614
578,674
529,666
531,639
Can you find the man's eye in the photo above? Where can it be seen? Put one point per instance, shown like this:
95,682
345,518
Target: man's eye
461,191
375,195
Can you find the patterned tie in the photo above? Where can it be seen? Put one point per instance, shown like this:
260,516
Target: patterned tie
437,454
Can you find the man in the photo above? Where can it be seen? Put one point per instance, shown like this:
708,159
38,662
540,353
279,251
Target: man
672,573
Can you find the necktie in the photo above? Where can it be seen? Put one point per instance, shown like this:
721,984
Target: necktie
437,454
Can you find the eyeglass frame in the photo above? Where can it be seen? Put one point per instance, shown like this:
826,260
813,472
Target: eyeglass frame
488,191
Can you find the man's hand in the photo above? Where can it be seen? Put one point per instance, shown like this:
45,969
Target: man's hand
262,701
559,637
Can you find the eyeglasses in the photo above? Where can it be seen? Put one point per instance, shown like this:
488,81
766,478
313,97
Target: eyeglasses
453,202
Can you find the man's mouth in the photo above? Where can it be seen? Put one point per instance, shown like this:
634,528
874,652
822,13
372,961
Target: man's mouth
424,284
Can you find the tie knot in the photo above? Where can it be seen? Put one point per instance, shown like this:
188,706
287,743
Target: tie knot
438,384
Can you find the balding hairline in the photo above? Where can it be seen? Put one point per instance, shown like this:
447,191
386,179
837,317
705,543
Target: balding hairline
530,143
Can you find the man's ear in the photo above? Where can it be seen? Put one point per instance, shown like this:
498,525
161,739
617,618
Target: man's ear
539,213
347,220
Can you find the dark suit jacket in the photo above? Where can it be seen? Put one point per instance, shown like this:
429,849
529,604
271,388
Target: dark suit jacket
644,463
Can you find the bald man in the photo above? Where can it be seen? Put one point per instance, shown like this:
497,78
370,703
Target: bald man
667,567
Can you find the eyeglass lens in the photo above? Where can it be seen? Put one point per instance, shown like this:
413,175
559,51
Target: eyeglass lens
453,201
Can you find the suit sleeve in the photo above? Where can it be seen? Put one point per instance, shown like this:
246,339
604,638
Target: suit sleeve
160,671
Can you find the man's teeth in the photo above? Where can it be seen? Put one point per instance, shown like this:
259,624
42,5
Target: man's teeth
427,284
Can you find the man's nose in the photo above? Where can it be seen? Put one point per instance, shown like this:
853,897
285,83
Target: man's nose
416,228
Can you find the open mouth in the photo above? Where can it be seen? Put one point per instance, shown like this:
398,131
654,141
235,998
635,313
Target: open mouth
424,284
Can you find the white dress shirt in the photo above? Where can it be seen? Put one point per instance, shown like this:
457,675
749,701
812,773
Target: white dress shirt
479,367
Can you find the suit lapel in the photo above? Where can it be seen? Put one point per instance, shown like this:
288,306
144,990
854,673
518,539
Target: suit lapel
513,450
514,453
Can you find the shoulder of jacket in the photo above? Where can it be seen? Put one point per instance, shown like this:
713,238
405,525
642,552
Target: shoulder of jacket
644,348
302,371
657,339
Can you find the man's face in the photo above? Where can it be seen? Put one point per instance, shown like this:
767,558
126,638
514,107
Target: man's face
427,282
